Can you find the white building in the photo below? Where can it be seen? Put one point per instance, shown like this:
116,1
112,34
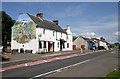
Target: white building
39,35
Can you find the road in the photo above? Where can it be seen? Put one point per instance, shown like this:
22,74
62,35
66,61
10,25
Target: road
90,65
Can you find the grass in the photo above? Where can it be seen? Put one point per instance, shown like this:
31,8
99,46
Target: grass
113,75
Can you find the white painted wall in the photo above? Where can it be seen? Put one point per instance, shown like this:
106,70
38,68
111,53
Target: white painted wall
32,45
48,36
103,44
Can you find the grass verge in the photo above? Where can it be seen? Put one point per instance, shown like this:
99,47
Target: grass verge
112,75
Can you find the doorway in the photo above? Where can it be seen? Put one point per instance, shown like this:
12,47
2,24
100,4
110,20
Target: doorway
61,42
50,46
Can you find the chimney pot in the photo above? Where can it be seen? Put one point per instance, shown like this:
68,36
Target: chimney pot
55,21
40,15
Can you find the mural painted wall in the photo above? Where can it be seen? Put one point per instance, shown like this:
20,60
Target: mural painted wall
23,31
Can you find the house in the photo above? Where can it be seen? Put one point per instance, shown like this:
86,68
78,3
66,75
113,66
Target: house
96,42
37,35
100,43
80,42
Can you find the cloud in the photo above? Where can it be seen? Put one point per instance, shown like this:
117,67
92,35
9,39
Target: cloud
107,22
89,34
71,11
113,37
106,25
117,33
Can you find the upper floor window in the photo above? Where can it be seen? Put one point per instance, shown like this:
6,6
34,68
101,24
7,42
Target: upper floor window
61,35
56,34
43,31
53,33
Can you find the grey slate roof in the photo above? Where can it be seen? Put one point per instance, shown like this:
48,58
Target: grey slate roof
74,38
64,29
46,24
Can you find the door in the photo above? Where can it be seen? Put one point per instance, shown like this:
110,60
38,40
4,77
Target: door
61,45
48,46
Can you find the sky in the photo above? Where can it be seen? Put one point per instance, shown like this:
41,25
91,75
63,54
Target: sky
84,18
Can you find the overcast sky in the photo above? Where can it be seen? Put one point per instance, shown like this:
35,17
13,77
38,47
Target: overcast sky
100,18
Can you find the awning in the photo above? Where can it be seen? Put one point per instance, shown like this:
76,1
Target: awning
63,40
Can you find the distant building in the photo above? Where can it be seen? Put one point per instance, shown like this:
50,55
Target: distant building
100,42
40,35
80,42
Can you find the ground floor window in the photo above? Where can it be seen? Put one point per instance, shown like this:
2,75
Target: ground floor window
67,45
58,44
44,44
63,45
40,44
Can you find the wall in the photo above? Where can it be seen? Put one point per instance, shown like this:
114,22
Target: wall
103,44
80,41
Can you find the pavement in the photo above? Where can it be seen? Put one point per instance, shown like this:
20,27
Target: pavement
17,59
32,57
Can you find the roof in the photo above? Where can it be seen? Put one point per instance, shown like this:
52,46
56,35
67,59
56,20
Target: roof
74,38
46,24
84,38
65,29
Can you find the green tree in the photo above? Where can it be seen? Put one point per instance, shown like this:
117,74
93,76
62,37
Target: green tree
7,23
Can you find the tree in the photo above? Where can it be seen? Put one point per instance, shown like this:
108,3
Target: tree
7,23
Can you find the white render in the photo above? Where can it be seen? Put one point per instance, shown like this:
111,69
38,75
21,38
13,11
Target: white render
104,44
48,36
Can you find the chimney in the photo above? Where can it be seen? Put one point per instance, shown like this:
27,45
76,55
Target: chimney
40,15
55,21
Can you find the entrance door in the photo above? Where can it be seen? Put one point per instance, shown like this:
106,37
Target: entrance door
53,46
61,45
48,46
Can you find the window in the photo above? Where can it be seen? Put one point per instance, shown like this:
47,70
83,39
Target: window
43,31
67,36
44,44
58,44
53,33
56,34
40,44
61,35
67,45
63,45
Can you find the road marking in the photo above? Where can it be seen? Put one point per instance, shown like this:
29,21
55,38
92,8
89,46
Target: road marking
59,70
39,62
26,64
44,60
57,58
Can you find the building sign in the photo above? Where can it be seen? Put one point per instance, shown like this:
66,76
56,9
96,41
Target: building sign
23,31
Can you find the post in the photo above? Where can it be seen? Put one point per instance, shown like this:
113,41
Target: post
80,50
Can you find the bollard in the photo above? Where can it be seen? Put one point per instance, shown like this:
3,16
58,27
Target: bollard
80,50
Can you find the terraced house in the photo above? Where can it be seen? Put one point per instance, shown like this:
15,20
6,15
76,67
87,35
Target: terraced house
36,35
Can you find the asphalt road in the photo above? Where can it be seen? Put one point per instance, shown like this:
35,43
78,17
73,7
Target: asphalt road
96,67
31,71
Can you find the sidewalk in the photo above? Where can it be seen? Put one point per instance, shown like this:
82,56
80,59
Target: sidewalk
30,56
